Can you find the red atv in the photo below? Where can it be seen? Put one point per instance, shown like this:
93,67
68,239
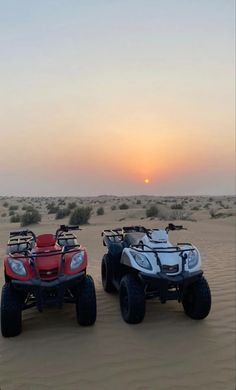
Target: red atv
46,270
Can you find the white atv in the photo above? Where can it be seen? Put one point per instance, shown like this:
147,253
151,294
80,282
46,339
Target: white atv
142,263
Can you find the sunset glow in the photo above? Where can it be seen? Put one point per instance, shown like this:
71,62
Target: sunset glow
101,106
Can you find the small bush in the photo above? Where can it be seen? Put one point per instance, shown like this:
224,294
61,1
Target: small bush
177,206
123,206
152,211
52,208
24,207
30,217
212,213
138,201
181,215
28,208
13,207
4,215
100,211
72,205
61,202
113,207
5,204
195,208
62,213
15,218
80,215
11,212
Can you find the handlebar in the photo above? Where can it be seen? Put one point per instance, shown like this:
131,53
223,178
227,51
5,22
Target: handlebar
171,226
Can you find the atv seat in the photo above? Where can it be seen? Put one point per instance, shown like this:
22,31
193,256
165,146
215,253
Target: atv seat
45,240
132,239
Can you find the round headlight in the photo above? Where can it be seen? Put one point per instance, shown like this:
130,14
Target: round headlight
142,260
17,267
192,259
77,260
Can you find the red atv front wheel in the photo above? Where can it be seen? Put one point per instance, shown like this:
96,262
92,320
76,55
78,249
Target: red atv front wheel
11,305
86,306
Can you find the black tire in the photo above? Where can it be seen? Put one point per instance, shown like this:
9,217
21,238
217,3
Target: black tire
132,299
86,306
106,271
197,300
11,304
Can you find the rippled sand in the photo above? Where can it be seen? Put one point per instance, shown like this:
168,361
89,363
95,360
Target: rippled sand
167,351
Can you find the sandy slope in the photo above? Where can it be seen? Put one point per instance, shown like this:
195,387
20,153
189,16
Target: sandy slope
167,351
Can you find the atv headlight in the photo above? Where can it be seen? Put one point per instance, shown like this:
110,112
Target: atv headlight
17,267
77,260
192,259
142,260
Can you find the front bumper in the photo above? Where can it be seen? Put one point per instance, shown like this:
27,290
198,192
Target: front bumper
162,283
49,293
61,281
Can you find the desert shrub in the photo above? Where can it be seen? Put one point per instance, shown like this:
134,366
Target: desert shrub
224,206
28,207
61,202
80,215
138,201
72,205
195,208
30,217
152,211
15,218
177,206
123,206
216,214
180,215
62,213
113,207
13,207
11,212
212,213
4,215
52,208
100,211
5,204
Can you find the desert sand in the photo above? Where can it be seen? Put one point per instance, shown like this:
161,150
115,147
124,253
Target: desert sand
167,350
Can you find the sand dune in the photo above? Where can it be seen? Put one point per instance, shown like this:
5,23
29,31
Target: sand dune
167,351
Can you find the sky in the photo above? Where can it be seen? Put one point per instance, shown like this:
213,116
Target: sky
98,95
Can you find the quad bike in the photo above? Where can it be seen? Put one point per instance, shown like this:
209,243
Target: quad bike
142,264
45,270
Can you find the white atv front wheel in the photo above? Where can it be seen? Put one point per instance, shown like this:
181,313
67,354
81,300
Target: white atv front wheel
197,299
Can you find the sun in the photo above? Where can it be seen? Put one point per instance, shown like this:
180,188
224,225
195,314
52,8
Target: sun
146,181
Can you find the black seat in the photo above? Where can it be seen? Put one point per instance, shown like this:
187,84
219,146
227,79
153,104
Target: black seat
132,239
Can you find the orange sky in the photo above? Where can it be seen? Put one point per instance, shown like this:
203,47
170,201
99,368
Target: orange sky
97,107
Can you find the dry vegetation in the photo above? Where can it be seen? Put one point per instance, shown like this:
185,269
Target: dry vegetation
25,210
